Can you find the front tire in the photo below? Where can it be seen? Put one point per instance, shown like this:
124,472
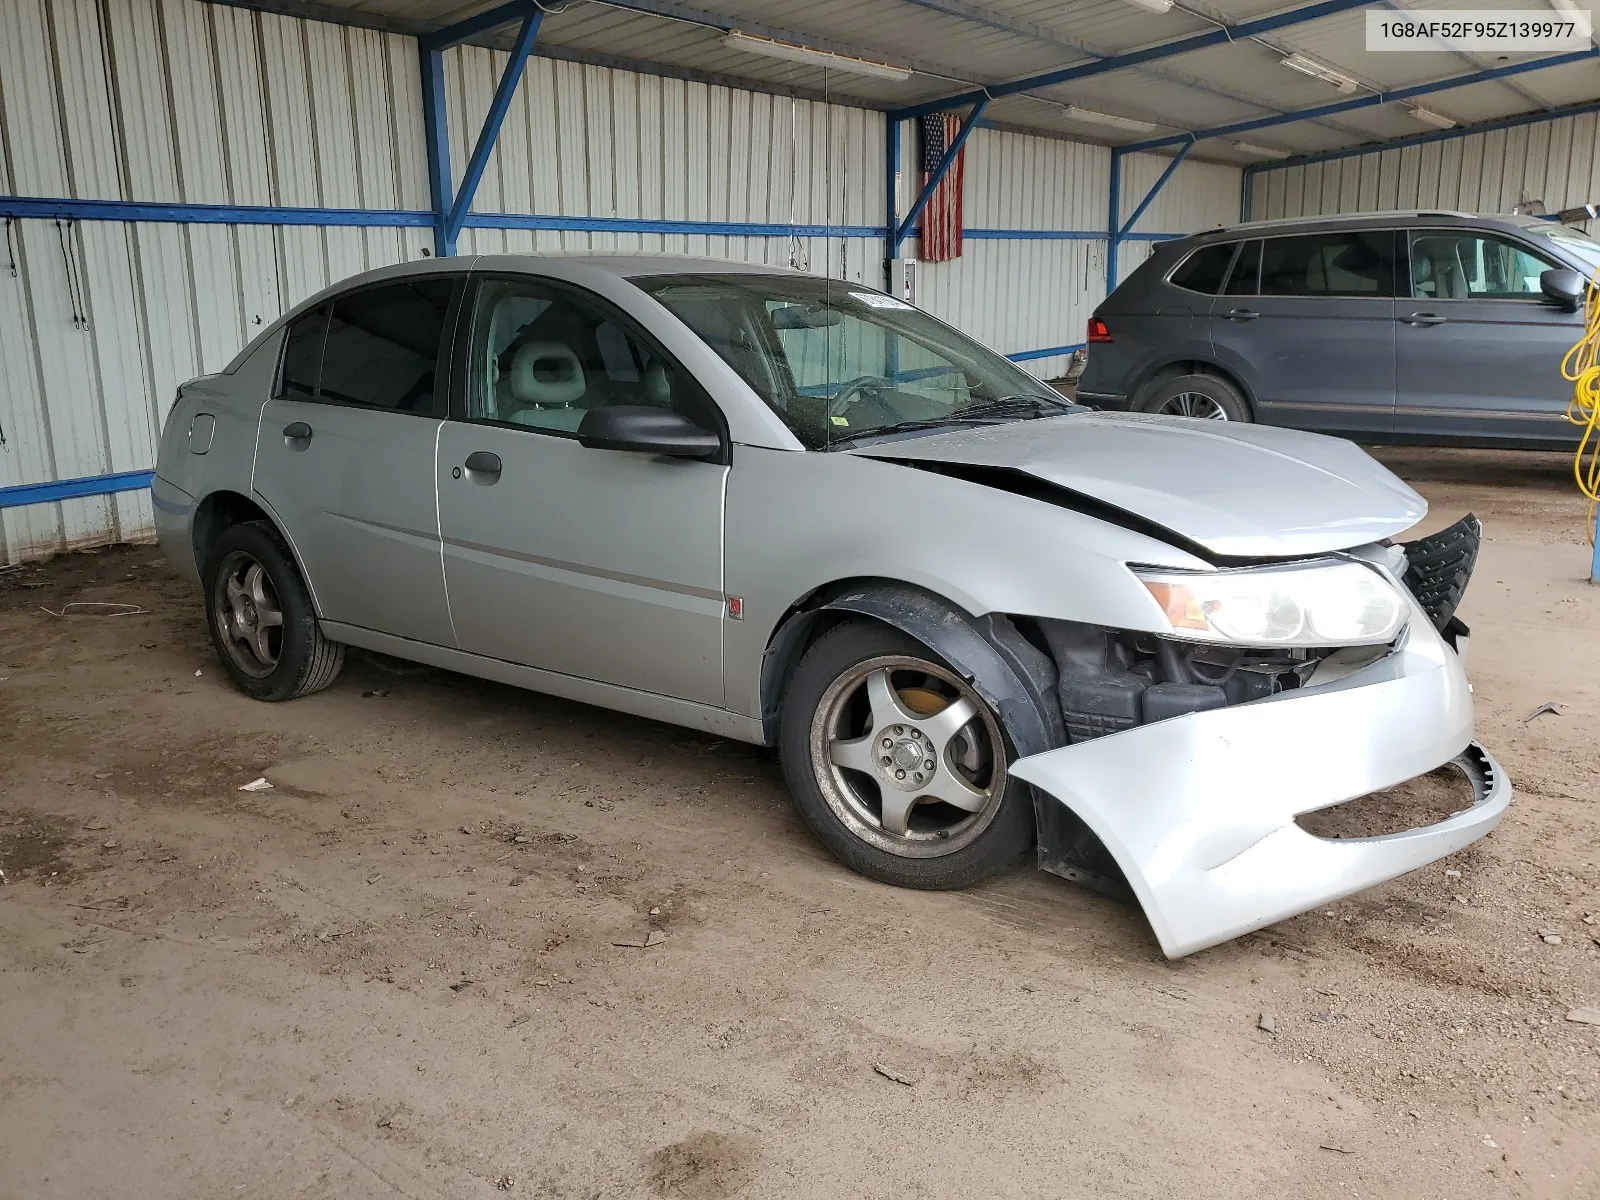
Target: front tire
897,765
1204,397
262,621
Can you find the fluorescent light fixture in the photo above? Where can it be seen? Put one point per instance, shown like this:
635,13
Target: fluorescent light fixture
1155,6
1428,117
1260,151
789,52
1311,67
1090,117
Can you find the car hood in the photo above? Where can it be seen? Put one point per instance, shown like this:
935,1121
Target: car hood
1250,491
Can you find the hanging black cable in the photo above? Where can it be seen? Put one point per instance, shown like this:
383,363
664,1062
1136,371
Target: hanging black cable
69,260
11,253
66,266
77,279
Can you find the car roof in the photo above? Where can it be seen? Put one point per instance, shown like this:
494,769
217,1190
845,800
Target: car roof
641,263
1392,217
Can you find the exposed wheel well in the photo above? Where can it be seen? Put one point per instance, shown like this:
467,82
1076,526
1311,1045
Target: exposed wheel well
802,624
1193,367
220,511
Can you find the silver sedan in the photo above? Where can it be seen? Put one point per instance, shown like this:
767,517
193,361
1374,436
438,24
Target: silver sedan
975,619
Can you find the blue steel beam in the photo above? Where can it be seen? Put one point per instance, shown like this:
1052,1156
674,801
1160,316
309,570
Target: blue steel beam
1177,161
471,27
450,208
950,152
1342,106
1422,139
1134,58
490,133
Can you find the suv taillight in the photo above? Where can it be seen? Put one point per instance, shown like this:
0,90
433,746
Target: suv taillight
1098,333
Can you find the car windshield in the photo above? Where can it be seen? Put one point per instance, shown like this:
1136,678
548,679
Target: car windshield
837,361
1575,242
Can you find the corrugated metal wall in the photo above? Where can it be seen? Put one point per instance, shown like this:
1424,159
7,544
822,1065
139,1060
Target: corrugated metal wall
183,102
173,102
1555,161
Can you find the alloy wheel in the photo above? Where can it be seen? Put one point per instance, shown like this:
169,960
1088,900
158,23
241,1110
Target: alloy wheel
1194,404
249,616
908,757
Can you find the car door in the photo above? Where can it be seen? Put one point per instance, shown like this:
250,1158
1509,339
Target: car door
1307,321
345,454
1479,348
602,564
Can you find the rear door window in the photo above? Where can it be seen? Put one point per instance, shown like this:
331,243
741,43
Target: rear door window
1205,269
1356,262
383,347
1245,279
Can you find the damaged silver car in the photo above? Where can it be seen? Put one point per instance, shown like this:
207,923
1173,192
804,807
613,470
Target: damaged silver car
974,619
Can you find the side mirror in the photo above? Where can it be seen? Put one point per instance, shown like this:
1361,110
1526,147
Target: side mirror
646,430
1562,287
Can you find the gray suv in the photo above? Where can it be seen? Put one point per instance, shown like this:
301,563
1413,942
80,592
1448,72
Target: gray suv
1403,326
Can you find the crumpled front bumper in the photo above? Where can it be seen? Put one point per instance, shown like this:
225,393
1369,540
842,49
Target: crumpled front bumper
1199,811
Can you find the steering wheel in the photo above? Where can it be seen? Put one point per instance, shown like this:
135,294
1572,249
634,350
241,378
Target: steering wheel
853,391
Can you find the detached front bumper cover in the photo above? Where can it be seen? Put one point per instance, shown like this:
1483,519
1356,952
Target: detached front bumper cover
1199,811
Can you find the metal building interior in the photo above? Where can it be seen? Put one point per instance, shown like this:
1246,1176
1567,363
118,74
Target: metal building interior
176,173
497,905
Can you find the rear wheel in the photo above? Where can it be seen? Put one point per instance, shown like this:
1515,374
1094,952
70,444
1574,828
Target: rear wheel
262,621
1203,397
897,765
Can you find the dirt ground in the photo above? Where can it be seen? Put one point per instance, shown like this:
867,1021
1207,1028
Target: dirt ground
405,969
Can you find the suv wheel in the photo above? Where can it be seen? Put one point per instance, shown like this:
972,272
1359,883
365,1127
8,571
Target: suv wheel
897,765
262,621
1205,397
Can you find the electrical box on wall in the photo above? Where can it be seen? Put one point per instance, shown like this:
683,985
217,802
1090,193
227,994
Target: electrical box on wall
901,279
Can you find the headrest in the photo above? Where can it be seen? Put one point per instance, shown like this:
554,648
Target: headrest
548,374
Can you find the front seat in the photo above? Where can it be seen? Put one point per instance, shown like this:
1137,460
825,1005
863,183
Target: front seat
544,384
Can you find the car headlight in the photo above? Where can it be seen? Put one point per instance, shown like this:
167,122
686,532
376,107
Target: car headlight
1338,603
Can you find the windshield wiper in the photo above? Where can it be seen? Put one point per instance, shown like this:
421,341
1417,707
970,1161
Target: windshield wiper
985,410
1008,404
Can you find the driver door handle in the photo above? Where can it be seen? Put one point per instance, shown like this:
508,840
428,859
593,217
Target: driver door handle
483,467
1241,314
1424,318
297,434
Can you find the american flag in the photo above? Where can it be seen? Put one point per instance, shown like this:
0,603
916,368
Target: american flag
941,219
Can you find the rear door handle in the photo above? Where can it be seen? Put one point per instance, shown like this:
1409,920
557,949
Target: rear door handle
297,434
1424,319
1241,314
483,467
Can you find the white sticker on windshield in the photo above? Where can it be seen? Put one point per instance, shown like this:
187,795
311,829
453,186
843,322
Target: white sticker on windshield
878,300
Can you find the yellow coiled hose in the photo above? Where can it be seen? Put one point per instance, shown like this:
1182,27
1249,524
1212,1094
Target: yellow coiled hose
1581,367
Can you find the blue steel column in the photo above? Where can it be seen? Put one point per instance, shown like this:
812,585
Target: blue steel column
437,132
1113,237
891,175
449,209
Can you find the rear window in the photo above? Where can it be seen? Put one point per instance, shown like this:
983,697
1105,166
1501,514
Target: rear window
1347,263
1204,270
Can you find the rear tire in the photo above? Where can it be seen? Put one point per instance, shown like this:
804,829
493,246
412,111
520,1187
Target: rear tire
955,817
262,621
1205,397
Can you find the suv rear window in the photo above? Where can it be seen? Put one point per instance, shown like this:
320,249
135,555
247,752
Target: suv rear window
1204,270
